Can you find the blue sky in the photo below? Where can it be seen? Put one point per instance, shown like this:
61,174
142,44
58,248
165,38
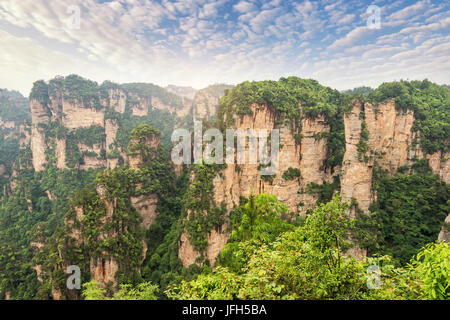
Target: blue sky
197,43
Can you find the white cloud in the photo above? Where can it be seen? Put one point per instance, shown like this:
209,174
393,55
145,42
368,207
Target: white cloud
244,7
198,42
350,38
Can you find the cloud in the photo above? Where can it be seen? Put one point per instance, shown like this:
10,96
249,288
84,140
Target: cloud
198,42
350,38
244,7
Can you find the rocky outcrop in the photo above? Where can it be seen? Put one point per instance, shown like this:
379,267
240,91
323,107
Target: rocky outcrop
60,153
185,92
440,164
182,111
356,179
90,161
147,206
103,270
38,147
242,180
206,101
73,111
135,160
390,141
7,124
388,136
77,115
444,235
117,100
186,252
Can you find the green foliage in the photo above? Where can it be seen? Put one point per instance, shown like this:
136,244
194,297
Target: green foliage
305,263
409,212
363,145
143,291
325,191
39,92
432,265
282,97
77,89
13,107
360,91
291,174
92,291
204,213
262,219
309,262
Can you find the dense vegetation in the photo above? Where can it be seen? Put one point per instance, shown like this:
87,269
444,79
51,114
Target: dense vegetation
13,106
308,262
271,253
408,213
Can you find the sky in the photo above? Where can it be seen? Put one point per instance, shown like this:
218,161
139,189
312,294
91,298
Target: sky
342,44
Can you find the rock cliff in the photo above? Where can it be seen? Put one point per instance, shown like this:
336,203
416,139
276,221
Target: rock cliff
375,136
206,101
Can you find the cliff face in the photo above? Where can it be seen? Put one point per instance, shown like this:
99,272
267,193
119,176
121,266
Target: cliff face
73,111
206,101
110,224
14,135
76,104
72,115
186,92
241,180
390,146
386,132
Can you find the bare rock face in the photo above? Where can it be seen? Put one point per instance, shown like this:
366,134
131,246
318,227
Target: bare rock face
181,112
60,153
356,179
146,205
39,112
38,147
390,134
390,138
206,101
103,270
444,235
91,161
313,153
118,100
440,164
186,252
140,110
76,115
